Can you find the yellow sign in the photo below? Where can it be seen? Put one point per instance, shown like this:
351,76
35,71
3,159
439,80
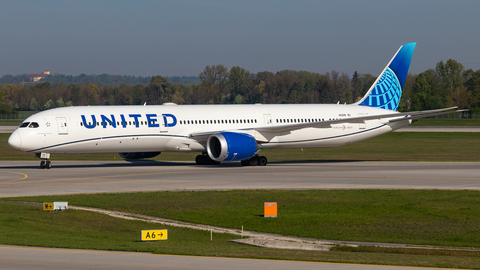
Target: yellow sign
152,235
47,206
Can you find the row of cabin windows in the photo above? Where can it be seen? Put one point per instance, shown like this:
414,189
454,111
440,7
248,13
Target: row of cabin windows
299,120
230,121
190,122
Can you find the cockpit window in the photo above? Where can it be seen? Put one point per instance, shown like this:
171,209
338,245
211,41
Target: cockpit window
24,124
33,125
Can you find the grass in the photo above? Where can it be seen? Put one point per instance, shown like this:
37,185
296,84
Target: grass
447,122
420,217
395,146
30,226
10,122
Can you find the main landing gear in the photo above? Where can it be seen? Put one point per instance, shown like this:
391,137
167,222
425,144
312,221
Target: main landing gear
255,161
204,159
45,163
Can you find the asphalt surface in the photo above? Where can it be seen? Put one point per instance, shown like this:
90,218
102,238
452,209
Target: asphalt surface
25,178
14,258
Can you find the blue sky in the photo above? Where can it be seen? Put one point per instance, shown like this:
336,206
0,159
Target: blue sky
180,38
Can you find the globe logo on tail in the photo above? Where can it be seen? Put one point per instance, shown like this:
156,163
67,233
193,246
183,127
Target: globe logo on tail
386,93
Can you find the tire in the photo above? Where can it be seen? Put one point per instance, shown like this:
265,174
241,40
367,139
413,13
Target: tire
262,161
48,165
42,164
200,160
253,161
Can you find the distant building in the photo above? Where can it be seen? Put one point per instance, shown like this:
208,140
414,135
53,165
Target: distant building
37,77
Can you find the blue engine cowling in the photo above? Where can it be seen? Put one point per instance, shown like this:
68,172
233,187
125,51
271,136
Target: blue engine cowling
231,146
139,155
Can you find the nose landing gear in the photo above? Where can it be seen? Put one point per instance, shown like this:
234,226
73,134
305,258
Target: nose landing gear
45,163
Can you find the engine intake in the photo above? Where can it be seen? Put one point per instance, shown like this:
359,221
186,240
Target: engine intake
231,146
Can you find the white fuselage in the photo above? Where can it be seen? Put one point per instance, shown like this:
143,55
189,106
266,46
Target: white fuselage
170,127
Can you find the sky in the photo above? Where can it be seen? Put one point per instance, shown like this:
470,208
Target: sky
180,38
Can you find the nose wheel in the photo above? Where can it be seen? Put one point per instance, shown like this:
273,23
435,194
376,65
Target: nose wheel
45,164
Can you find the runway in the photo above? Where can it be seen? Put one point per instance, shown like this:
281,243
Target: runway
25,178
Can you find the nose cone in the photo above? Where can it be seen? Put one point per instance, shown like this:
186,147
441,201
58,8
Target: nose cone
15,140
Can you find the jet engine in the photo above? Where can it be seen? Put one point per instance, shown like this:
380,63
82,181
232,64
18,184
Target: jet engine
139,155
231,146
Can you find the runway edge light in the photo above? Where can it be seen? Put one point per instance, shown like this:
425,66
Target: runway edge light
270,209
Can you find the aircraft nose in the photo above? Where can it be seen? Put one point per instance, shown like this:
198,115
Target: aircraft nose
15,140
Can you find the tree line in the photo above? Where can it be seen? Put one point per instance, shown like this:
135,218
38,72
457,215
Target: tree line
102,78
448,84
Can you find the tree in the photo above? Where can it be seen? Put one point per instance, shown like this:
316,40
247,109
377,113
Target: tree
214,80
33,105
48,105
158,90
60,102
237,82
357,87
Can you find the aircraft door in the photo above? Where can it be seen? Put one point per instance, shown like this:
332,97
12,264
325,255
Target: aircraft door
62,126
362,125
268,120
163,127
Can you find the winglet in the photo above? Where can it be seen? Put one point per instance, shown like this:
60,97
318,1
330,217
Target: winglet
386,92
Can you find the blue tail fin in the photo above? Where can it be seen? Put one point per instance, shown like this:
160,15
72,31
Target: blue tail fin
386,92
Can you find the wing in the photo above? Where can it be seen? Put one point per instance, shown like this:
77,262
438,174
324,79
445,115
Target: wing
384,118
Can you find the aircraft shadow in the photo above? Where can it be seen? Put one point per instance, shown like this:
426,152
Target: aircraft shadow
149,163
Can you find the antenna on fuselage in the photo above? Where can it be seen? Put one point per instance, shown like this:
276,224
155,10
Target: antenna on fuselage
145,103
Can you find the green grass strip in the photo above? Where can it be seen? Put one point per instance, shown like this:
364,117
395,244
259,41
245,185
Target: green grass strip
30,226
419,217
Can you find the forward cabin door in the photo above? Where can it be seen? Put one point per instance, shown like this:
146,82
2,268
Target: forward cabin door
62,126
268,120
163,126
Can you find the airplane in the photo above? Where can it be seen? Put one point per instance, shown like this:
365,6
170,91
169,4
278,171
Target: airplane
221,133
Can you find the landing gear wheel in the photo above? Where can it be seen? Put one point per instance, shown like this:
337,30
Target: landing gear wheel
200,160
48,164
262,161
253,161
42,164
205,160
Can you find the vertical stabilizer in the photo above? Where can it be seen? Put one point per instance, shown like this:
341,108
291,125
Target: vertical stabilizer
386,92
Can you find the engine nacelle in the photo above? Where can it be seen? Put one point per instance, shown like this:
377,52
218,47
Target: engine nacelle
231,146
139,155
